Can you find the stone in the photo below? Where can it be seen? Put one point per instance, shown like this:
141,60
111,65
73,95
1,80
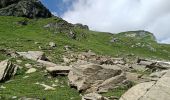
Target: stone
93,96
67,48
8,70
153,65
31,70
155,90
158,74
46,87
2,87
28,65
33,55
138,67
52,44
46,63
136,92
14,97
19,61
134,77
24,8
95,78
113,40
58,70
72,35
25,98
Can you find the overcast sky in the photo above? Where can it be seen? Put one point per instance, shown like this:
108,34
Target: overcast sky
117,15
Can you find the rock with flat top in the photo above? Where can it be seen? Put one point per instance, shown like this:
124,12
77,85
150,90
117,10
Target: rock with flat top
33,55
95,78
46,63
31,70
58,70
155,90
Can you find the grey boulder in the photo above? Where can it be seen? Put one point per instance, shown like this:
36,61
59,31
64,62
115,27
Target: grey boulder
95,78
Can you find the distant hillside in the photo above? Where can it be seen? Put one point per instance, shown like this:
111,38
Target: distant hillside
20,34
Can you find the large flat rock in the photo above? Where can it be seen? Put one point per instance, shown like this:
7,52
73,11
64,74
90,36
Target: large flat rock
158,90
95,78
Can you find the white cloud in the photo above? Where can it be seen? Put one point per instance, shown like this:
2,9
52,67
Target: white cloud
123,15
55,13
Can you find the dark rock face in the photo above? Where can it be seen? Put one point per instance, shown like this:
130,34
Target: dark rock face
24,8
81,26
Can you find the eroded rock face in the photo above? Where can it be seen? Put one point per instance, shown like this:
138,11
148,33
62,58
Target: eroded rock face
4,3
95,78
155,90
24,8
7,70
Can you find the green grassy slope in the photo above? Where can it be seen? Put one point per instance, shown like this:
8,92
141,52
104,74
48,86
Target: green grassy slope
22,38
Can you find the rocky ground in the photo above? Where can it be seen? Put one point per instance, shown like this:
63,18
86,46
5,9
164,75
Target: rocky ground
94,76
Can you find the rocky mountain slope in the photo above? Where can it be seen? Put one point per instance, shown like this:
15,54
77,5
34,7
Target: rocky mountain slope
52,59
23,8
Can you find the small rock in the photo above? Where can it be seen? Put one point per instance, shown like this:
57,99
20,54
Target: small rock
158,74
93,96
25,77
36,42
54,85
19,61
52,44
58,70
56,81
28,65
14,97
47,87
31,70
67,48
3,87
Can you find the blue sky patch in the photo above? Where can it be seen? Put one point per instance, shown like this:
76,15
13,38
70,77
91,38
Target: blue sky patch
58,6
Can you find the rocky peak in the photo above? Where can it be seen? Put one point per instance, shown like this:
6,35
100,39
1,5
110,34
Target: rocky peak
24,8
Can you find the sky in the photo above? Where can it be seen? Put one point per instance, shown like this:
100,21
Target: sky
116,15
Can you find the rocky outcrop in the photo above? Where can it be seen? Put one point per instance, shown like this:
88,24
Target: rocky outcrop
96,78
81,26
7,70
155,90
24,8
